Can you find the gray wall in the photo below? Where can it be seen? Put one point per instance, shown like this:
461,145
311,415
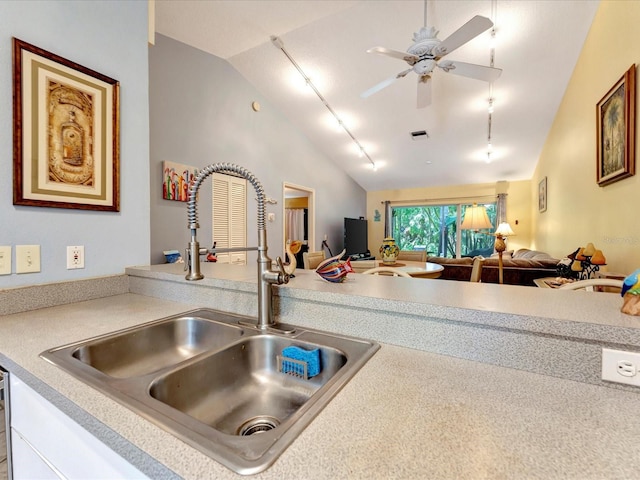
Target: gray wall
111,38
200,113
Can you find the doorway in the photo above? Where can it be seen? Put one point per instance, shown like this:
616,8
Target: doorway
299,218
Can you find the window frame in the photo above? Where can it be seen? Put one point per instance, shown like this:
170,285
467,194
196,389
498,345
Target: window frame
492,208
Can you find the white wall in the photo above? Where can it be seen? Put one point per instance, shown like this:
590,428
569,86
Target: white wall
111,38
200,110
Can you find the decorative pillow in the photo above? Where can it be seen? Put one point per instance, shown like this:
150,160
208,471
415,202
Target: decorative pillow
525,253
531,254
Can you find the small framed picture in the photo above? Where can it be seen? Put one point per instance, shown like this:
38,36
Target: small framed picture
65,133
616,127
176,180
542,195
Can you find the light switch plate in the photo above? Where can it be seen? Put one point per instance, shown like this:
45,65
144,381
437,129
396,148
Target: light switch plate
5,260
27,258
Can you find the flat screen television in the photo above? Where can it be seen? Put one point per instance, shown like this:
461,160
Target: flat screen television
355,236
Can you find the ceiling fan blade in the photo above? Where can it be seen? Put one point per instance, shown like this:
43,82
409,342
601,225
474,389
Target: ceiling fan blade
383,84
407,57
469,30
471,70
424,91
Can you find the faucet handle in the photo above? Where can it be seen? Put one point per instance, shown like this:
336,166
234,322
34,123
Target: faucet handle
283,276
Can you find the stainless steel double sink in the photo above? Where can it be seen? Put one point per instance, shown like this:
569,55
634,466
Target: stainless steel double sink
214,381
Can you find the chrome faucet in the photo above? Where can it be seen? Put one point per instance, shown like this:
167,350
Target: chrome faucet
266,276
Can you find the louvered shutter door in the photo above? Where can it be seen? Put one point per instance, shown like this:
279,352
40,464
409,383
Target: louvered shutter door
238,214
230,216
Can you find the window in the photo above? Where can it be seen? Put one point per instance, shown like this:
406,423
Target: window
230,216
436,229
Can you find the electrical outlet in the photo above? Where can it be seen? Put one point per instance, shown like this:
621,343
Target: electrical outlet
5,260
27,258
621,367
75,257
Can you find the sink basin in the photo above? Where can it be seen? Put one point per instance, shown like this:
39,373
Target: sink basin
241,390
146,349
215,381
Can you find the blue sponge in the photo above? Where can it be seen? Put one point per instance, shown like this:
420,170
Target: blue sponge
311,357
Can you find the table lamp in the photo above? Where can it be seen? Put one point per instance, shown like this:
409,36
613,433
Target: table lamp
476,218
502,232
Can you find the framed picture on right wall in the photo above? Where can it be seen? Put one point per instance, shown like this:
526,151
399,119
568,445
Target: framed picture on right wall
542,195
616,131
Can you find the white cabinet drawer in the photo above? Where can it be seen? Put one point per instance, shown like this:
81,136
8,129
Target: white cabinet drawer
61,442
27,464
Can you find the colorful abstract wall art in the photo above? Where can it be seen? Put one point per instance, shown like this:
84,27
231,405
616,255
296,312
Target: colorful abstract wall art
176,179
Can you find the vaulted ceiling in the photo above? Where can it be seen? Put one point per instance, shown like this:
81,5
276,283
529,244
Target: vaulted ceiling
537,46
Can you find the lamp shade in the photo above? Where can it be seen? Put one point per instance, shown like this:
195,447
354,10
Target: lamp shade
589,250
476,218
504,230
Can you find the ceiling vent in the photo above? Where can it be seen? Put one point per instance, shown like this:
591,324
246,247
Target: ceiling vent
419,135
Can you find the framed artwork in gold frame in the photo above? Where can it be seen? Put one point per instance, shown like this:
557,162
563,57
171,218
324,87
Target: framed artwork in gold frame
65,133
616,127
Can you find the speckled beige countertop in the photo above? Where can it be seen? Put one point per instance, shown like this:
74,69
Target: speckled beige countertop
406,414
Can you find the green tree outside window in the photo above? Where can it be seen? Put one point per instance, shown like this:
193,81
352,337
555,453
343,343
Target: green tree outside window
434,229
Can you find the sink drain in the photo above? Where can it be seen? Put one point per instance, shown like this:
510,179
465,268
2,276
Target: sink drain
258,425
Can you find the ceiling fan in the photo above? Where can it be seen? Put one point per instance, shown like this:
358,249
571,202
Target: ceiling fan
426,53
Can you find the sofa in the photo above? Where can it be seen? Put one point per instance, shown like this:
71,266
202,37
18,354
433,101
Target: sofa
521,267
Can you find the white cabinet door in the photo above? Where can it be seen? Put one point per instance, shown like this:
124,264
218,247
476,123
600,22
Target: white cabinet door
62,443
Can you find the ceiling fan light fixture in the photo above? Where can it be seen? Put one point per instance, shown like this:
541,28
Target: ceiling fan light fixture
426,52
